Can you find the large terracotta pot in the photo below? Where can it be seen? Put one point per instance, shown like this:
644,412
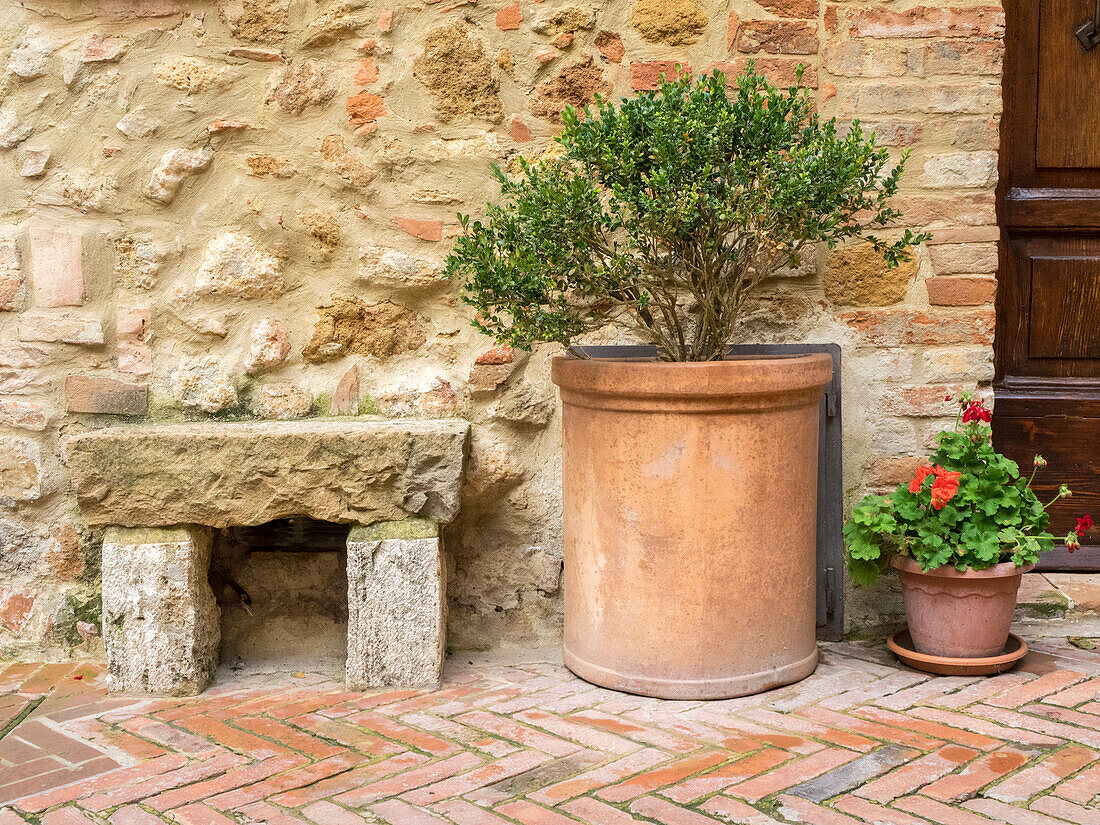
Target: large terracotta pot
960,614
690,495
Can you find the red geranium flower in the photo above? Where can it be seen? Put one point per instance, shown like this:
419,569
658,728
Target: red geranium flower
1084,523
976,411
922,474
944,487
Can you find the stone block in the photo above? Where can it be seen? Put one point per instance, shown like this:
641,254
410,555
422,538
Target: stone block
961,290
960,170
60,329
160,618
11,275
56,267
647,74
20,469
777,37
396,605
963,258
336,470
96,394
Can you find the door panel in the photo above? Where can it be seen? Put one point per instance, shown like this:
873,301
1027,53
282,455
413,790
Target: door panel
1047,385
1065,298
1069,77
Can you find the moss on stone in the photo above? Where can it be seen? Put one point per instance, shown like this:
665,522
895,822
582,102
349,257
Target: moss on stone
77,609
408,529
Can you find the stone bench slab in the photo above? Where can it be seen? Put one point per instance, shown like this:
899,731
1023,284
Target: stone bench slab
249,473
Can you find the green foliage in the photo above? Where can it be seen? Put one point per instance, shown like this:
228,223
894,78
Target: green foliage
665,213
992,517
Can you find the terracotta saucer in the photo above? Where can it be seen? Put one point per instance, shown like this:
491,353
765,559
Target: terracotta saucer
902,646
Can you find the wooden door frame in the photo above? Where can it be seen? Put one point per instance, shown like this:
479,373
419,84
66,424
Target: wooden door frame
1029,200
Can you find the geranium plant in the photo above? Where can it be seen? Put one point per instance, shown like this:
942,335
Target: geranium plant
969,507
664,213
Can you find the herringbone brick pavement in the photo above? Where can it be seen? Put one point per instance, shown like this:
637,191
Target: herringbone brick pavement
861,741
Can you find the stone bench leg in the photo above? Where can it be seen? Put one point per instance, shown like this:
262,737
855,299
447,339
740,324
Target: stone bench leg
396,605
160,618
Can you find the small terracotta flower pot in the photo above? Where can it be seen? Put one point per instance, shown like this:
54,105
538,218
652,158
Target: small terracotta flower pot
690,522
960,614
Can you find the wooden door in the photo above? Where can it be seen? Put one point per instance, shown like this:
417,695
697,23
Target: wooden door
1047,387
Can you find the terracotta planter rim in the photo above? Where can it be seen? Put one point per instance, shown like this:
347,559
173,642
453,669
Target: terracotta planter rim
997,571
754,375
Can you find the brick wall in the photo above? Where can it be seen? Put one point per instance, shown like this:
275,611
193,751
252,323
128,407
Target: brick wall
238,210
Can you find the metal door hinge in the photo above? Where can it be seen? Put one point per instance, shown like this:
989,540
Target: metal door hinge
1088,33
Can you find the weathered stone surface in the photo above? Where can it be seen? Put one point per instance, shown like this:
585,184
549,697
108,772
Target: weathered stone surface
575,85
396,605
223,474
34,162
307,84
394,269
136,263
269,346
60,329
12,281
564,19
283,401
263,21
346,162
203,383
235,266
23,415
460,77
173,168
354,327
13,130
132,334
857,275
160,619
526,405
31,57
676,22
137,124
192,75
66,552
610,46
104,396
20,469
345,401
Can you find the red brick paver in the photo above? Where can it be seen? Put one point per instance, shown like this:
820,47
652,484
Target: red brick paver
861,741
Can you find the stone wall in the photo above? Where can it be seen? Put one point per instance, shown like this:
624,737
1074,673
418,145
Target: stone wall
238,209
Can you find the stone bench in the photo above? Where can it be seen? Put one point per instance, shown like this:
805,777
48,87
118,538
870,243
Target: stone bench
160,490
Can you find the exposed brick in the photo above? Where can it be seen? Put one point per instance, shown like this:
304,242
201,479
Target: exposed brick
782,71
854,58
777,37
100,395
962,57
921,96
961,290
733,23
888,132
56,266
60,329
647,75
24,415
519,131
385,20
928,21
426,230
15,609
901,327
803,9
509,17
963,259
365,108
610,46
